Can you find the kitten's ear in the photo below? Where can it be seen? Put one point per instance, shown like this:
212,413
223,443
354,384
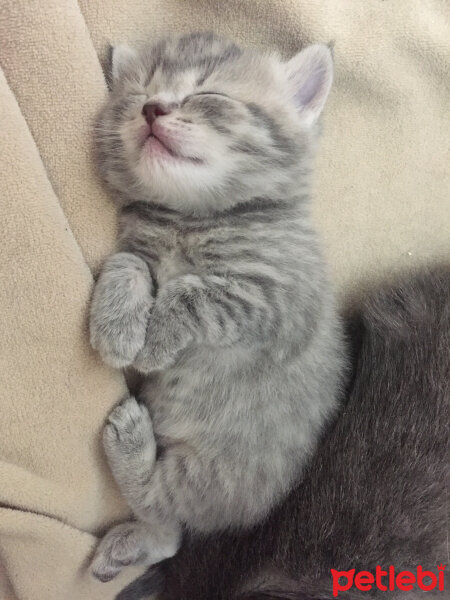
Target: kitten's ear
121,58
310,75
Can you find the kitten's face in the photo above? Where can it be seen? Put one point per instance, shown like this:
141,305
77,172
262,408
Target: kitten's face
197,124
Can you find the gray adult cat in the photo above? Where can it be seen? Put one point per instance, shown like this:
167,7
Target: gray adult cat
217,290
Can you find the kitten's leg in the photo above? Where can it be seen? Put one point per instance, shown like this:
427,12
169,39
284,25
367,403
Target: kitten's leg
130,447
133,543
120,309
131,450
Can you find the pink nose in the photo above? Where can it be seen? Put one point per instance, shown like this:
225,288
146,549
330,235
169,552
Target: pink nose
153,110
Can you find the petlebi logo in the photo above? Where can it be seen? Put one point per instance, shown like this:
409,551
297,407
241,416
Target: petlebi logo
388,580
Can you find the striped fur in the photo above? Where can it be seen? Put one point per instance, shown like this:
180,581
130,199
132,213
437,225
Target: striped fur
217,291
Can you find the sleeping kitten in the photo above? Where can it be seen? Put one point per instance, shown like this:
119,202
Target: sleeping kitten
377,491
217,290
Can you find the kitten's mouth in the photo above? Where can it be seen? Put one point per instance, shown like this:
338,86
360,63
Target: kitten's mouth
156,146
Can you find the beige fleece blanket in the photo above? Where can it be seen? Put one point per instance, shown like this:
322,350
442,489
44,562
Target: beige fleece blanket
381,202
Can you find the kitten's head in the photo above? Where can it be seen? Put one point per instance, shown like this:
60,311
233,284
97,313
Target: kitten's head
197,124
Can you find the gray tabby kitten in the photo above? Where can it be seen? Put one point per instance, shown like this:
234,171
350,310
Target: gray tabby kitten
217,290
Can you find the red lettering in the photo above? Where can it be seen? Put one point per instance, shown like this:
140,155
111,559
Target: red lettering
421,574
405,580
379,573
391,578
337,587
441,569
364,581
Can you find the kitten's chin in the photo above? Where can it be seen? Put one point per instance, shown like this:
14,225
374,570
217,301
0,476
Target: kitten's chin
155,149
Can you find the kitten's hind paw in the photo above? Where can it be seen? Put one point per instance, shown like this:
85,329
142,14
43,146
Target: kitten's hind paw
134,543
121,546
128,430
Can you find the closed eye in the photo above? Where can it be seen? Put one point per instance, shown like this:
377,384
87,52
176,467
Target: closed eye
204,94
211,94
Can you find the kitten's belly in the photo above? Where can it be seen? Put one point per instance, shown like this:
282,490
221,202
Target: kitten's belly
218,394
208,382
203,377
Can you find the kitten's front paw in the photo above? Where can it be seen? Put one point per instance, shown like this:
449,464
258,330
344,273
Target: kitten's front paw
166,338
116,347
128,433
120,309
